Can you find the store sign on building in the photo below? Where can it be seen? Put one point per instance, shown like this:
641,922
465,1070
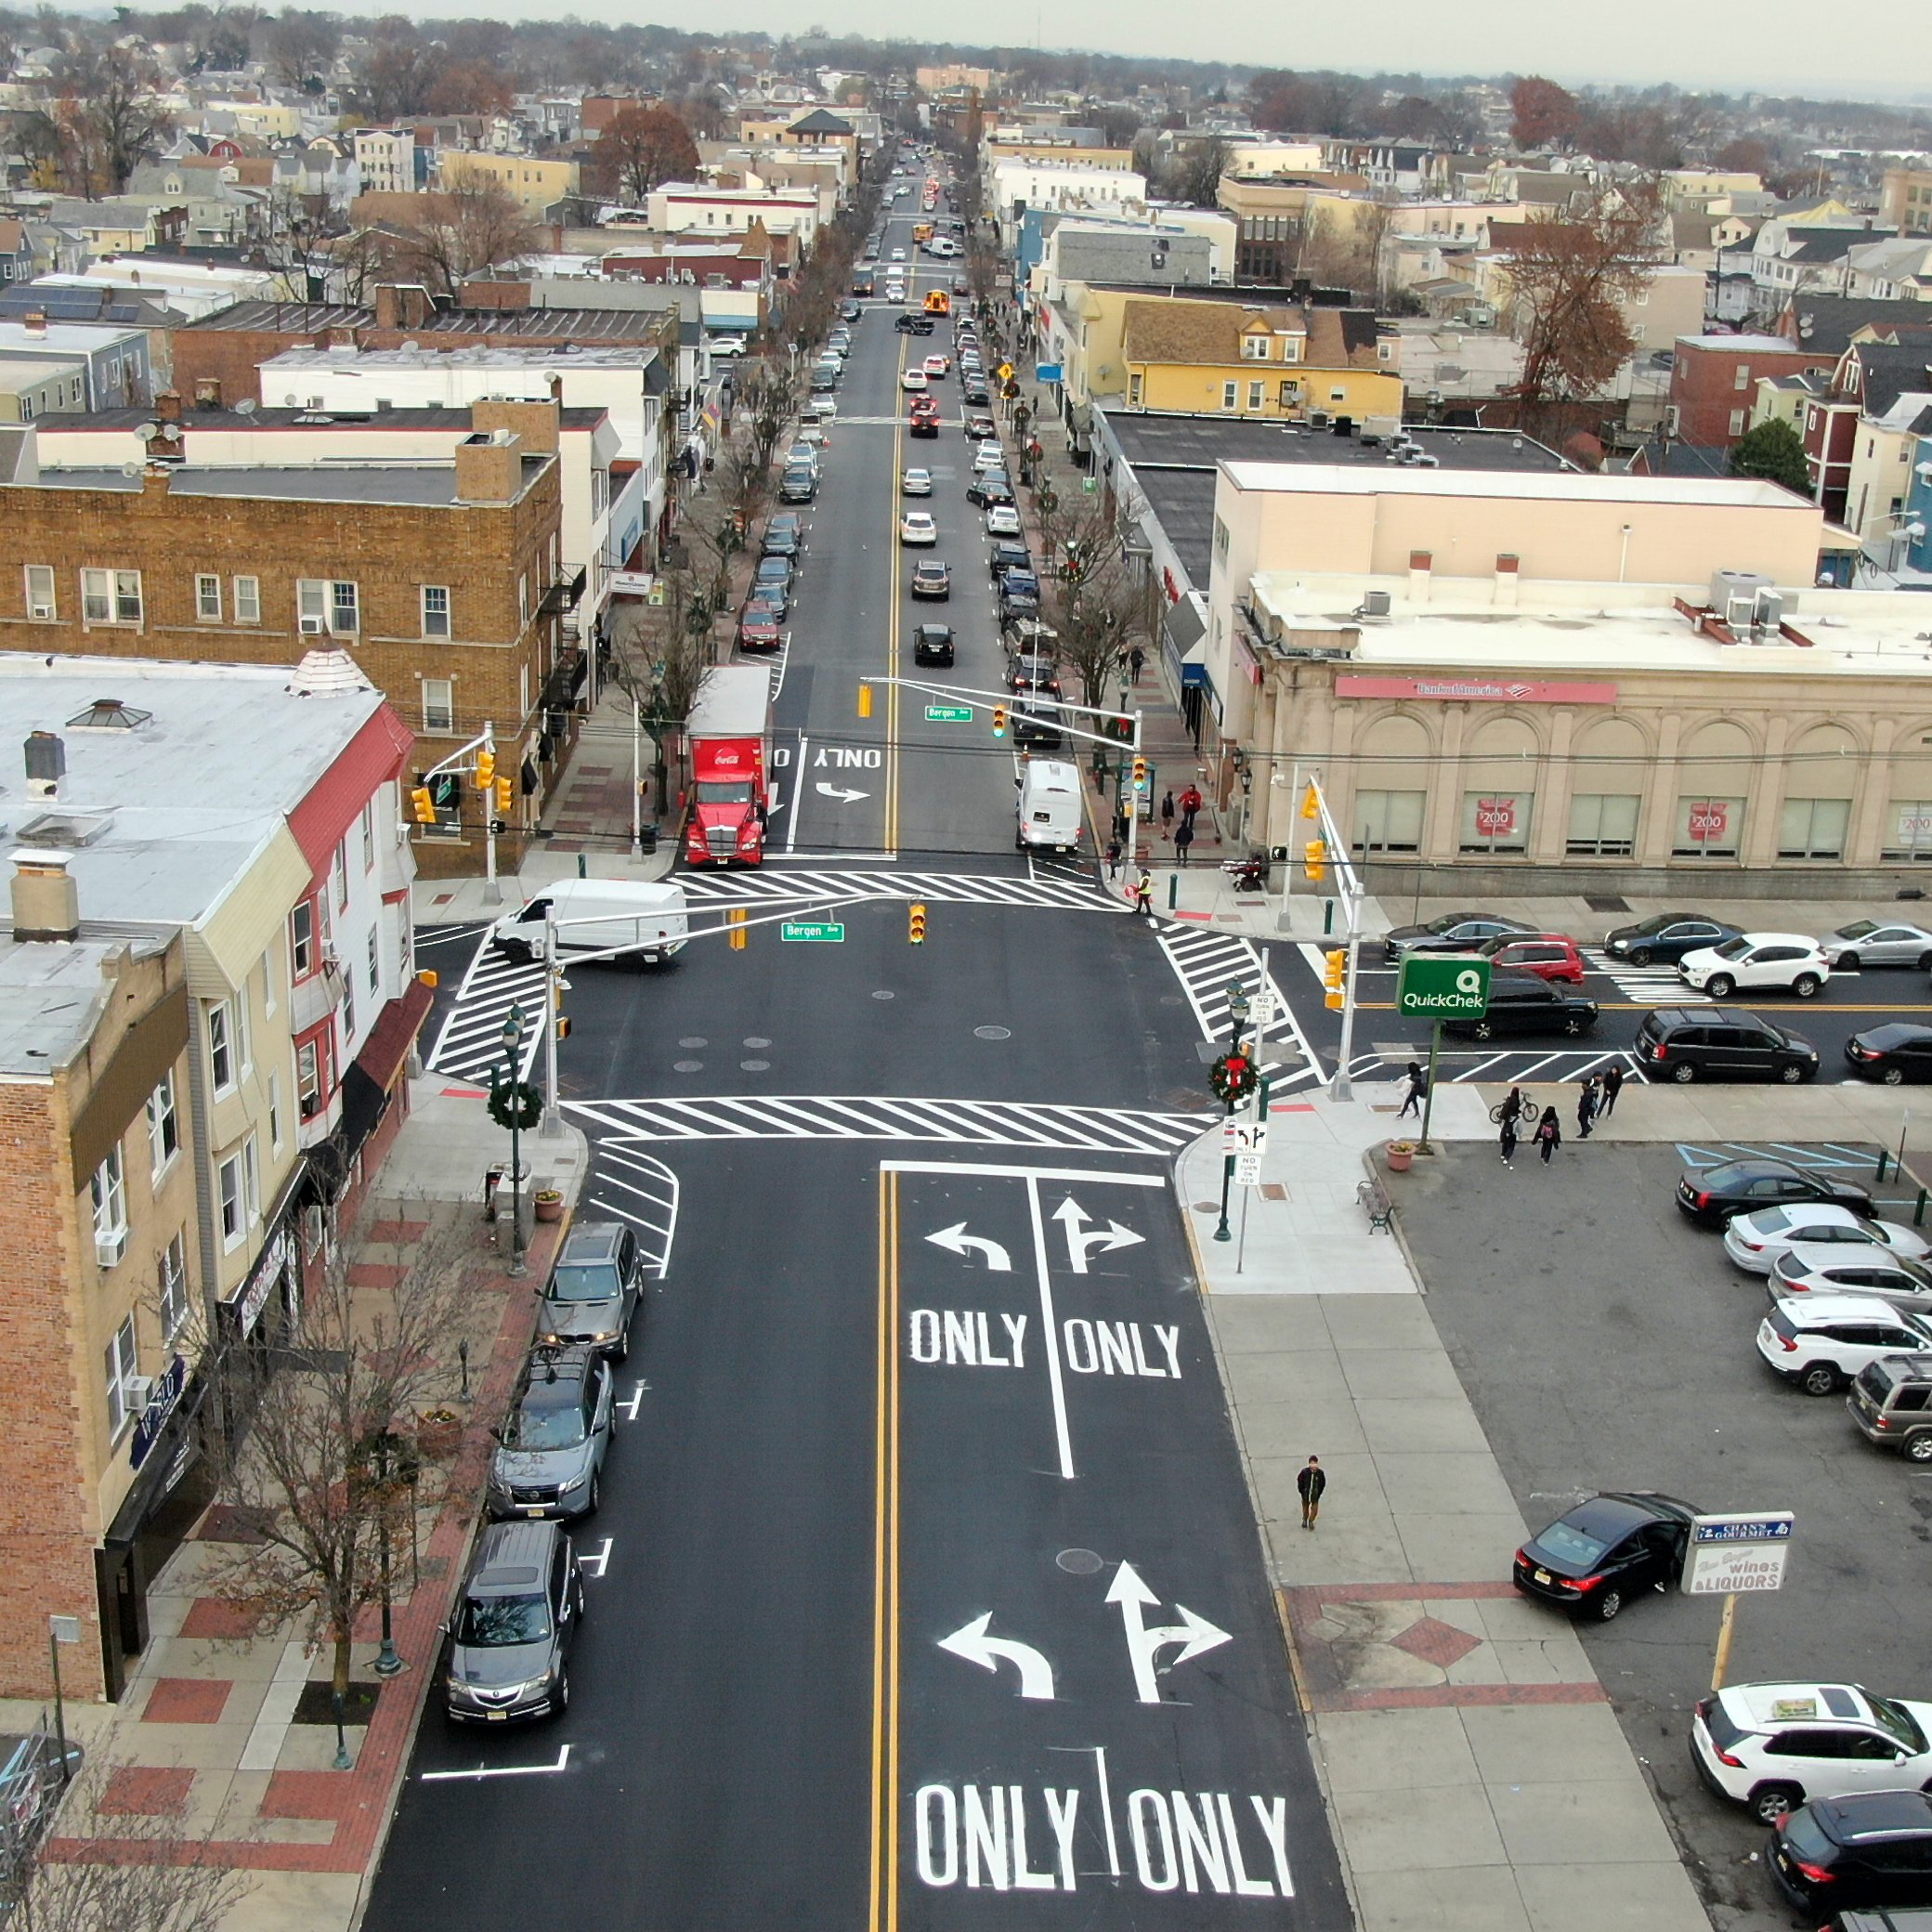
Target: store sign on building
276,1262
1495,816
1710,819
1475,690
161,1405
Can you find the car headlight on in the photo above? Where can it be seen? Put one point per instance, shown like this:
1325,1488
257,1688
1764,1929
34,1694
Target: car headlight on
605,1334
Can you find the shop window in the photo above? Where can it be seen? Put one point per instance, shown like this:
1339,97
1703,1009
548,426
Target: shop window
1603,824
1813,827
1496,822
1708,828
1388,821
1911,830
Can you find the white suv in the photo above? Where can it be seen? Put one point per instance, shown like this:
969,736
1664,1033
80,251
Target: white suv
1821,1341
1757,963
1772,1746
1811,1268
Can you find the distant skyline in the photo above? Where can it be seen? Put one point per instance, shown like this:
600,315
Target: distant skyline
1653,40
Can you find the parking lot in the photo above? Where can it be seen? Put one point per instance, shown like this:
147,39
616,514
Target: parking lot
1606,1344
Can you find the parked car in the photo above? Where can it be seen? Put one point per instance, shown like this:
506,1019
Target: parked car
1757,963
932,644
851,311
1002,520
1008,554
1839,1268
1666,937
1774,1746
797,485
758,628
595,1288
916,527
515,1625
1594,1558
1755,1241
784,536
916,483
989,456
1041,675
1870,942
1711,1195
1891,1406
989,486
549,1459
774,574
1685,1043
1450,932
1867,1849
1522,1002
974,392
1821,1341
1547,955
932,579
980,427
1893,1054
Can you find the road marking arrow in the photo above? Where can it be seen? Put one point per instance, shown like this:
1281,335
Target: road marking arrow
839,792
958,1241
1193,1634
1072,1218
971,1642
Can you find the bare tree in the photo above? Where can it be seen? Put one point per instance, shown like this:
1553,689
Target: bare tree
461,230
1196,175
107,117
1092,598
660,657
302,48
324,1466
642,147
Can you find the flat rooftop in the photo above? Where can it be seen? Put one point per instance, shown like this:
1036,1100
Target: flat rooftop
454,415
431,483
469,354
1566,486
51,994
314,318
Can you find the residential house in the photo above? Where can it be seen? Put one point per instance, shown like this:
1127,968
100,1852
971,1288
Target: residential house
535,185
1713,383
1796,255
16,263
31,387
115,359
1900,269
1868,380
1905,201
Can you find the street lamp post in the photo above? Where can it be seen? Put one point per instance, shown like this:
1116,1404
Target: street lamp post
388,1662
1238,1010
513,1045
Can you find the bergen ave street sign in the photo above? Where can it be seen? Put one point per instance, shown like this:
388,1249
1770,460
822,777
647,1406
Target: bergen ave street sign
1436,987
1739,1552
824,931
949,714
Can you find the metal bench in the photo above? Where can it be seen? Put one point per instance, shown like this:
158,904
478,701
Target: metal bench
1376,1204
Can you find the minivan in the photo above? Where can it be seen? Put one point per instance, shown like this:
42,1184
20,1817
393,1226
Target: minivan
509,1640
640,918
1685,1043
1049,807
1891,1403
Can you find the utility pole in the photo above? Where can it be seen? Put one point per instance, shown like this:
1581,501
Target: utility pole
493,890
552,1125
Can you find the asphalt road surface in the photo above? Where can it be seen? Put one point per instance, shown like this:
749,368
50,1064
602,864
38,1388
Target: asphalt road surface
925,1588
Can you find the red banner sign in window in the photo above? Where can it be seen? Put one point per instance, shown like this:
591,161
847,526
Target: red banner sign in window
1495,816
1710,821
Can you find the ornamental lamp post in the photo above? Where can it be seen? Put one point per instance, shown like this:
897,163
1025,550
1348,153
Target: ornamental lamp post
1239,1075
513,1042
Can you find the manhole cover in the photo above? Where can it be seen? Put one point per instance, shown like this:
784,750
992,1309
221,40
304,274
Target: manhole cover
687,1066
992,1033
755,1041
1207,1207
754,1066
884,995
694,1042
1078,1563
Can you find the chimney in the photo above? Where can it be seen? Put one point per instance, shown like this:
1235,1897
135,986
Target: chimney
416,306
167,405
387,309
1508,579
35,321
47,764
1420,564
207,392
489,467
534,422
46,903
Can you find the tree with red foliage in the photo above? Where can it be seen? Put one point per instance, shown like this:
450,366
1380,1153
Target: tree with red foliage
639,148
1543,114
470,88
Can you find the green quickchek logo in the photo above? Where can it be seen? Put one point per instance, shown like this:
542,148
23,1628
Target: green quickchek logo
1443,988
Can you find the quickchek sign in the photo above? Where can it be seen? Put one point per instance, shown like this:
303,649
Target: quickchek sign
1438,988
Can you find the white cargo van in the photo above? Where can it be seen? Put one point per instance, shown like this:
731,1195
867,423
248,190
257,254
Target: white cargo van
1050,805
644,916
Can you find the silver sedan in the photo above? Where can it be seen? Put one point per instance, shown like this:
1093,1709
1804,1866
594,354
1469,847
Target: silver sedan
1870,942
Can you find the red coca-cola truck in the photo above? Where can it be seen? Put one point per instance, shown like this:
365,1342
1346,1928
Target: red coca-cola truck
730,734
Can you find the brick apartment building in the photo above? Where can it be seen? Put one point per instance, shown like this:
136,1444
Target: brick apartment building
440,578
1713,383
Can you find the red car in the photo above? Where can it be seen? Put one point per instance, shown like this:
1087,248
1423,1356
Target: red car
1547,955
758,629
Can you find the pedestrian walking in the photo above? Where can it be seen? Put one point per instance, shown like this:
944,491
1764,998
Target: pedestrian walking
1550,1135
1585,1107
1416,1092
1113,858
1144,894
1120,826
1183,838
1612,1086
1519,1108
1167,814
1191,803
1509,1138
1136,659
1312,1481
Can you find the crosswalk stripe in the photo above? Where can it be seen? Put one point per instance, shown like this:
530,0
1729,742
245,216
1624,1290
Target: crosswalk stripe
469,1044
1205,963
1645,986
957,888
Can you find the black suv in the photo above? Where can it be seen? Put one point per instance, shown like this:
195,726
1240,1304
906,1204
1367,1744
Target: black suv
593,1289
508,1655
1008,554
1524,1002
1872,1849
932,644
1687,1043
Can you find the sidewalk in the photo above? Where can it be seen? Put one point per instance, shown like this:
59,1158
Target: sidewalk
231,1733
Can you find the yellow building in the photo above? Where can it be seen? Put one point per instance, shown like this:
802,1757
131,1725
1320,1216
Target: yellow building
1906,202
535,185
1274,361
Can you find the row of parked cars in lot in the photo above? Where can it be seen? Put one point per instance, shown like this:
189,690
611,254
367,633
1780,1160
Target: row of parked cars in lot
508,1644
1841,1774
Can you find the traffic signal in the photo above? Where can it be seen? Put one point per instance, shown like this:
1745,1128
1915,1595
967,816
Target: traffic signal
563,1026
1334,976
486,769
423,805
999,721
1140,774
916,922
864,700
1311,801
505,795
1315,858
736,918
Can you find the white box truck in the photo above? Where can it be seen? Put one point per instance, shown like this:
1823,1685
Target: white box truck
1049,806
645,918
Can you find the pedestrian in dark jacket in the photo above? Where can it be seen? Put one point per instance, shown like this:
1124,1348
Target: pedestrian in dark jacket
1585,1107
1183,838
1549,1134
1113,858
1136,659
1312,1481
1416,1092
1612,1086
1166,812
1509,1140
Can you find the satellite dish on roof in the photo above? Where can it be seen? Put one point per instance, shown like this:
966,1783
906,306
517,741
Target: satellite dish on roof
246,407
149,431
171,432
130,469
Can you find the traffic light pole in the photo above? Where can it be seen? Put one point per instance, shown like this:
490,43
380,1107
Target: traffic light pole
552,1125
492,889
1336,853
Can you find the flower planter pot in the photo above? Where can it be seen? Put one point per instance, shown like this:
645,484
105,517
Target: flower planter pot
1400,1154
548,1203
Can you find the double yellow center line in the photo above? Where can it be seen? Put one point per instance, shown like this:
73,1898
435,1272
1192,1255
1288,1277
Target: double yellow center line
883,1915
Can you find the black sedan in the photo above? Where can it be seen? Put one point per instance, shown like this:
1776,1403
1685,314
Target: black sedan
1712,1195
1524,1002
1594,1558
932,644
1893,1054
932,579
990,486
1666,937
1008,555
1451,933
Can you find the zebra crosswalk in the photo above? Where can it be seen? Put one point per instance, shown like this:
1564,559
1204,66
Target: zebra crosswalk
637,1187
806,1117
470,1044
776,884
1644,985
1207,964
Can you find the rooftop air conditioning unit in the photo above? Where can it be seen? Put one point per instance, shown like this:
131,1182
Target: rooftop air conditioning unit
1318,419
1373,604
1735,596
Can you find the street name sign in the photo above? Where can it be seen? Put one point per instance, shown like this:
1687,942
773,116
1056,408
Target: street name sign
949,714
1731,1554
1435,987
814,929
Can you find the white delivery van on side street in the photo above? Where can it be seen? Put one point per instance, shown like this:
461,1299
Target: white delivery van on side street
1049,807
644,916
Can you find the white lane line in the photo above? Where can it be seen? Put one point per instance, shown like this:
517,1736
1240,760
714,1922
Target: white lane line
798,797
1120,1177
500,1771
1049,1327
